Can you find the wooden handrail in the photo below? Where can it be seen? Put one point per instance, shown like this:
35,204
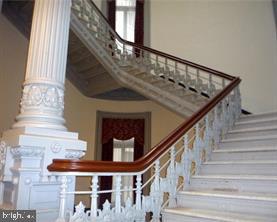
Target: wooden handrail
183,61
65,165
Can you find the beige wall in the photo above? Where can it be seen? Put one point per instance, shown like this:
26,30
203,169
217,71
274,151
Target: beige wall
13,55
80,111
80,115
237,37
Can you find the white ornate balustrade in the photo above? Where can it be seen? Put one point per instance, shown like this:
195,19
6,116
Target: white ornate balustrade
93,29
168,174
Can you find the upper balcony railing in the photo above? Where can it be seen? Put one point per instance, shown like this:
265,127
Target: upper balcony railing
169,165
188,74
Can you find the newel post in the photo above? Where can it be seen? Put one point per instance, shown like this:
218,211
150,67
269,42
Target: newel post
39,133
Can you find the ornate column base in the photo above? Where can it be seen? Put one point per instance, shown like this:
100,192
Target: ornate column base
42,106
26,182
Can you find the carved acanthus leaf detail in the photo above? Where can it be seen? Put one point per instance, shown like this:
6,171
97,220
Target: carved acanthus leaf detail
42,96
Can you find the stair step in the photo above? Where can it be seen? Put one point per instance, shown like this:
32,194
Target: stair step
182,214
242,183
249,142
243,133
231,201
244,154
239,167
255,124
257,117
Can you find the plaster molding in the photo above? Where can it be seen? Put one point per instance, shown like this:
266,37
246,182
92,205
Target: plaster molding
21,152
42,96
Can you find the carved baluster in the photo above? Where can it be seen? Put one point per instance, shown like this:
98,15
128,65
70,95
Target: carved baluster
216,128
212,88
147,62
94,196
138,192
223,83
208,145
198,84
117,194
156,195
81,10
64,186
237,102
138,199
186,77
229,109
173,179
197,149
157,66
176,75
186,159
224,117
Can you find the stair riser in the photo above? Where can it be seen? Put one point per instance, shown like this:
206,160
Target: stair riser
254,125
233,205
259,117
239,169
169,217
249,144
272,132
242,185
257,155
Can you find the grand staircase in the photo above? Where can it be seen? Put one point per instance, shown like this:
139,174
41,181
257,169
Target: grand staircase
239,182
217,166
102,65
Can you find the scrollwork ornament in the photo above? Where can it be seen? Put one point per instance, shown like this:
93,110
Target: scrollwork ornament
56,147
19,152
74,154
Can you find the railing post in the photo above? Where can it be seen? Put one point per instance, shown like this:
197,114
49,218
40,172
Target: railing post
198,84
186,77
94,196
237,102
138,198
210,90
186,159
216,128
156,195
173,180
61,217
197,149
138,192
224,117
117,194
208,145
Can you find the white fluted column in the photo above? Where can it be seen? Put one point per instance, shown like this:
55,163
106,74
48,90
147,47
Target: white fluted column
39,134
42,102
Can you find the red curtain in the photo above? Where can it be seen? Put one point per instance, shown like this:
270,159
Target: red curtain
111,8
139,25
139,22
121,129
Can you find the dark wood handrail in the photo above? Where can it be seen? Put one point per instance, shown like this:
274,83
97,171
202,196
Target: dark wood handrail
183,61
65,165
